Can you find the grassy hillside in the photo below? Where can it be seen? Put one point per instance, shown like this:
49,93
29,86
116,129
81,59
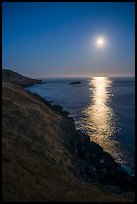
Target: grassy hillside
35,163
18,79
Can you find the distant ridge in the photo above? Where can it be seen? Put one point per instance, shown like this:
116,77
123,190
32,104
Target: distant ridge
18,79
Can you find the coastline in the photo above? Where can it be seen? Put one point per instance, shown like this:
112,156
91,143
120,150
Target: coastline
91,162
44,157
18,79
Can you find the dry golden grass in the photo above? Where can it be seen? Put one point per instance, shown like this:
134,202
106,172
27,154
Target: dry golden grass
34,160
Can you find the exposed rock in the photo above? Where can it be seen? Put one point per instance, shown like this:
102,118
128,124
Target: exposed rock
112,189
58,107
102,172
92,171
129,193
102,161
75,82
124,170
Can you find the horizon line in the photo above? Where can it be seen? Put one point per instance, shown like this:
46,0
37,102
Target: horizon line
62,77
70,76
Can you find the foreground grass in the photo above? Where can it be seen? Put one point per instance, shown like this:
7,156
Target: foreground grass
35,163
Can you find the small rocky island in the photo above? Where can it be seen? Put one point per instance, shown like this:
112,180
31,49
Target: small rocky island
75,82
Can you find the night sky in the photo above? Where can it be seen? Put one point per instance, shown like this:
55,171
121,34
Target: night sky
58,39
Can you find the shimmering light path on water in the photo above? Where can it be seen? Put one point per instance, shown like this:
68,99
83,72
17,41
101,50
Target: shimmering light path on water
99,119
102,107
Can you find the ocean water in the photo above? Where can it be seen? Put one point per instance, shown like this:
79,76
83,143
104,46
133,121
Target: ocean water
102,107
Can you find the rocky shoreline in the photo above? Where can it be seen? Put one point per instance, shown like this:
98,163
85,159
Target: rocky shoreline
90,162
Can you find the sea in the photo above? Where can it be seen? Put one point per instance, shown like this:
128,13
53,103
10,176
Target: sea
102,107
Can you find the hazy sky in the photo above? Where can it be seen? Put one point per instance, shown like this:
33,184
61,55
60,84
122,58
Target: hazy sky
58,39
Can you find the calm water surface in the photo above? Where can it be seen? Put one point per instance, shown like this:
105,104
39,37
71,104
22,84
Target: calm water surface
102,107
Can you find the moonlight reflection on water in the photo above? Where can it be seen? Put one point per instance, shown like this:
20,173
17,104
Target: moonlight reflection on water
107,119
99,119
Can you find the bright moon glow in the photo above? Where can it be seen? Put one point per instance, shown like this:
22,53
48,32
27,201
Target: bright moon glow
100,42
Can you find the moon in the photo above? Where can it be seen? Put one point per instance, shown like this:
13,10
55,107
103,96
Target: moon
100,42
